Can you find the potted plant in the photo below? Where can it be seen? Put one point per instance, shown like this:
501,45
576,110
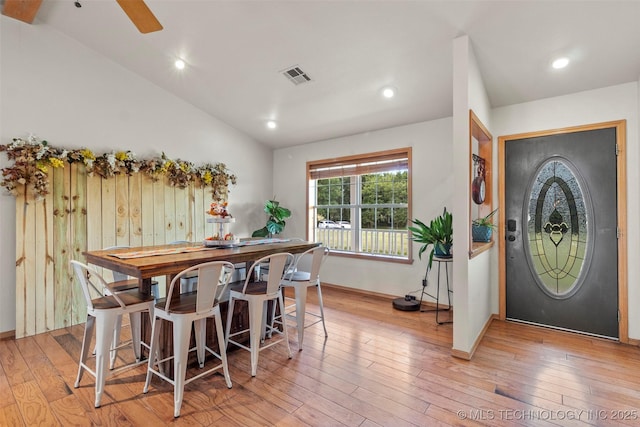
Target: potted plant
438,234
482,228
275,222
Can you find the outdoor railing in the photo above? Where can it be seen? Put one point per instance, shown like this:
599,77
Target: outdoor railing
377,242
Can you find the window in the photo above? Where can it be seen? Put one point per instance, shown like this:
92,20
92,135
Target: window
360,205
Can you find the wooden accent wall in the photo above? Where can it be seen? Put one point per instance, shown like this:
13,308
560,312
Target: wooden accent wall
84,212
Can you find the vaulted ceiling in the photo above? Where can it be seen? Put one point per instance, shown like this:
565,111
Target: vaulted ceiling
236,51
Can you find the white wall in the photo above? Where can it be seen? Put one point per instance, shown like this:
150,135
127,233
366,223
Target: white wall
472,278
63,92
601,105
432,181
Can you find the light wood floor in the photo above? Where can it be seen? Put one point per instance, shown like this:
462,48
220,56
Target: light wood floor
379,367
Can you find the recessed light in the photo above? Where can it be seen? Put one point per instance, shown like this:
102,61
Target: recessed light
179,64
389,92
271,124
560,63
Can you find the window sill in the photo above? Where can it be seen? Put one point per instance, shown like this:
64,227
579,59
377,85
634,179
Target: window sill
478,247
368,257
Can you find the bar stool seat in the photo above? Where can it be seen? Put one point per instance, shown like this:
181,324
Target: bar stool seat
102,315
258,294
306,274
185,310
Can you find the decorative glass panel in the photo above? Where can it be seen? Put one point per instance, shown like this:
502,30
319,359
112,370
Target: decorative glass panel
558,226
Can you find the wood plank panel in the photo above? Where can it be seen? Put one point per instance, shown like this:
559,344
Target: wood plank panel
158,213
21,264
135,210
89,212
94,214
147,208
30,246
122,210
189,224
78,224
181,201
200,207
159,226
108,210
40,253
169,214
61,246
48,260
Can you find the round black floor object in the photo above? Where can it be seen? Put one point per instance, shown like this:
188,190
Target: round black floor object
406,305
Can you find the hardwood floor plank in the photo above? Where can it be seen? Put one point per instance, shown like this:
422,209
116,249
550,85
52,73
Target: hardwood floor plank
378,367
15,368
6,395
46,375
33,406
10,416
67,367
70,412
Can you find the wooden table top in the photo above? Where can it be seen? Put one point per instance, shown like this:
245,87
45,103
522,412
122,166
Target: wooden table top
158,265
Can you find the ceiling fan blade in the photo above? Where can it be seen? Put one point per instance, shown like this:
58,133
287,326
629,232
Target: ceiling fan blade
22,10
140,15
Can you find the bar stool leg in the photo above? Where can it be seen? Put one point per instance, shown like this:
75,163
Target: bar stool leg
301,307
105,323
181,338
84,353
222,348
256,310
321,310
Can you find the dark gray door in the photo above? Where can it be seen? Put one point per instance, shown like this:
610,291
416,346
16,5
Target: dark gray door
561,218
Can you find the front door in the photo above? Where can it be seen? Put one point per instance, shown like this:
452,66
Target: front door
561,244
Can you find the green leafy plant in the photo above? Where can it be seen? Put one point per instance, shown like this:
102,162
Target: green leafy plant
486,221
275,222
438,234
482,228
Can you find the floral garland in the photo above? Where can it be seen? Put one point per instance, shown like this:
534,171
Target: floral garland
32,159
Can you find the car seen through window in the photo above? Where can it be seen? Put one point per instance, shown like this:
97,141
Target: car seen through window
327,223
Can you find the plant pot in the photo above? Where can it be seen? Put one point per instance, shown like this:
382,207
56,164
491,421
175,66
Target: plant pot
439,252
481,233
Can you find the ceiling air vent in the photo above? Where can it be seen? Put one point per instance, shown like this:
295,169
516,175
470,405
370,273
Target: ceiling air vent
296,75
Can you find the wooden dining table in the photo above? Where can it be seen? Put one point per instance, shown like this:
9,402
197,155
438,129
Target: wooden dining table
147,262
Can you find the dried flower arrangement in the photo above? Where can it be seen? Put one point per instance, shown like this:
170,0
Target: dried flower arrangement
32,159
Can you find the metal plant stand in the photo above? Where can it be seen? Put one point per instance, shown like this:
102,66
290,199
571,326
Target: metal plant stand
425,283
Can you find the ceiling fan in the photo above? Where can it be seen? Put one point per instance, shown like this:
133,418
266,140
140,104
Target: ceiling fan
137,11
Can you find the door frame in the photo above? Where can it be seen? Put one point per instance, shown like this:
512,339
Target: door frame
621,178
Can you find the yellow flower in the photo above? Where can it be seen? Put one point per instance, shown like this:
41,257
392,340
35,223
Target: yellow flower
166,166
184,166
121,156
42,167
56,163
207,177
87,154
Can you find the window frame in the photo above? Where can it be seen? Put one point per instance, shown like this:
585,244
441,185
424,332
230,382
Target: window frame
336,162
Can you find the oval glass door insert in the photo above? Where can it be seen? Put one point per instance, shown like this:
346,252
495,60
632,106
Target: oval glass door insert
558,228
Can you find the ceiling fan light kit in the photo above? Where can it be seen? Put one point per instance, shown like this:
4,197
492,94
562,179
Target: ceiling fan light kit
137,11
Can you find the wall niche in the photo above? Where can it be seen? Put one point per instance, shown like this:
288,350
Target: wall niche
480,164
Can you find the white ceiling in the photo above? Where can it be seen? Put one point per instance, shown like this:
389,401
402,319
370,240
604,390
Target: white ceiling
235,51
